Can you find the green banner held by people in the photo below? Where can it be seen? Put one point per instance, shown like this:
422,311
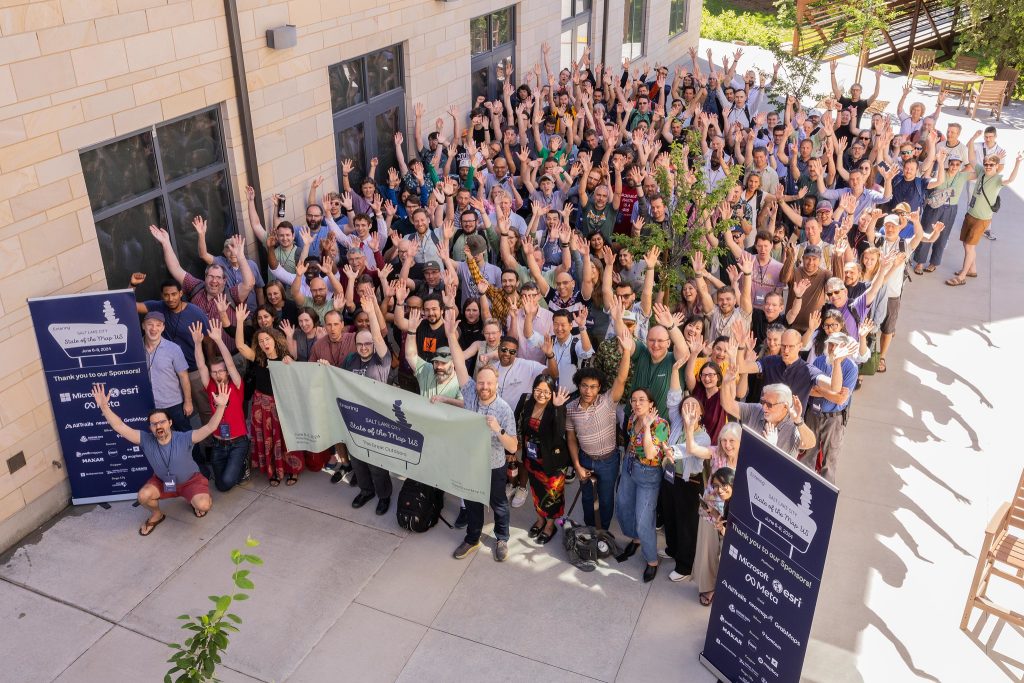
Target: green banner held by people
397,430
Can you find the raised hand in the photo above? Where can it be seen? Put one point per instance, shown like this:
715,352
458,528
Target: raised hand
220,399
800,287
137,279
560,397
652,256
196,329
241,313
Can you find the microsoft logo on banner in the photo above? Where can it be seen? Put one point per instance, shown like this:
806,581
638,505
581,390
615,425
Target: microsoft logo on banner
65,397
733,553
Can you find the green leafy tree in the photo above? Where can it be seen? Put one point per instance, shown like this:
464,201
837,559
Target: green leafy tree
861,28
994,30
692,215
196,660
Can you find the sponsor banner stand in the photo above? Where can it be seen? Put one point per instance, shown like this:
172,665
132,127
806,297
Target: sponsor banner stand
773,556
87,338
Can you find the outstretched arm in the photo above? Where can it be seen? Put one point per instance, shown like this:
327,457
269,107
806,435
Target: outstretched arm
170,258
102,399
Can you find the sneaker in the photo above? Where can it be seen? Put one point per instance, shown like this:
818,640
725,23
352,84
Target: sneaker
676,576
464,550
341,470
663,554
501,551
988,234
570,474
462,521
509,488
519,497
247,472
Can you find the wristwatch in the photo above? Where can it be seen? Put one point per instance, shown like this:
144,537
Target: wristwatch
502,432
798,423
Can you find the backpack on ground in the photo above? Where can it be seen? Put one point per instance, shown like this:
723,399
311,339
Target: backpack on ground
419,506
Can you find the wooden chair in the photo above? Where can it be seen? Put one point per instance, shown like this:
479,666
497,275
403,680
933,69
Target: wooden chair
991,95
877,107
1002,555
922,61
1011,76
966,63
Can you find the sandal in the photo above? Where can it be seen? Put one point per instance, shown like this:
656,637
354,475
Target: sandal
930,269
881,365
535,529
148,527
956,282
974,274
275,481
918,269
706,598
291,480
199,514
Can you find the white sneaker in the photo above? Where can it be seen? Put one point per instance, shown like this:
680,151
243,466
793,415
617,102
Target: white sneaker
519,497
676,576
508,490
663,554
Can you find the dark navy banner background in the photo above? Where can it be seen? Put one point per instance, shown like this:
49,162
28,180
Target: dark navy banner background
86,338
773,555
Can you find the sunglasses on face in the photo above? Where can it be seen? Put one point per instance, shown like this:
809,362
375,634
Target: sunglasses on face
509,351
834,291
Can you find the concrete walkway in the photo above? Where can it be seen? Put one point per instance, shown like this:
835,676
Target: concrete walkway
345,595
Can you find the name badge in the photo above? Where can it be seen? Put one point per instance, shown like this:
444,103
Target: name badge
225,431
170,486
758,299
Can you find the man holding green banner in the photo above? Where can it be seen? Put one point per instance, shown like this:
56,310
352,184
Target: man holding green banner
481,396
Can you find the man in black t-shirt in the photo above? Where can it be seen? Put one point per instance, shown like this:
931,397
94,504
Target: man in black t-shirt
854,100
372,359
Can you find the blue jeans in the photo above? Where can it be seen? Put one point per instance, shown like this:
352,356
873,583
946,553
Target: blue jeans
946,214
499,505
636,503
228,460
606,471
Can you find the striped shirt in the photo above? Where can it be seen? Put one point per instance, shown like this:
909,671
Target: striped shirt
594,427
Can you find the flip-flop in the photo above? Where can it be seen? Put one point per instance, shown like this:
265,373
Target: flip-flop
199,514
930,269
881,365
706,598
275,481
151,525
919,269
956,282
291,480
975,274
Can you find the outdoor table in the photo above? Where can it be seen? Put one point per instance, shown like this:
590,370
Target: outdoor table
964,79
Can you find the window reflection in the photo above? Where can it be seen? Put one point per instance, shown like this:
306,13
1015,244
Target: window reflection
350,145
478,39
207,197
382,71
388,123
120,170
346,84
189,145
127,247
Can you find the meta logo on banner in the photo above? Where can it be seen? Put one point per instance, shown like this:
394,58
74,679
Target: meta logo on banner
85,339
773,555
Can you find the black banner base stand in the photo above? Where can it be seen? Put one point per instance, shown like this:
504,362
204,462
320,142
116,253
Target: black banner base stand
713,669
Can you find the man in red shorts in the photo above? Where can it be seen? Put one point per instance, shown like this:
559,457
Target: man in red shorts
169,454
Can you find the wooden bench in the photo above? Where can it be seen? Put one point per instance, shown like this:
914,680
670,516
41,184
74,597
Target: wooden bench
1002,556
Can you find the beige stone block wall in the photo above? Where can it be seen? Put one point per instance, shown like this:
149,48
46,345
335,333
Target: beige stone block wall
74,73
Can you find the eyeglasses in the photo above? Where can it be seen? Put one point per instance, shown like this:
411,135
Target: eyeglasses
157,423
834,291
768,405
865,138
364,343
831,325
509,350
989,165
906,152
541,392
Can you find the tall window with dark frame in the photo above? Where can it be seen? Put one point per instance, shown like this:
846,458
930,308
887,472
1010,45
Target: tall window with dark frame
575,31
368,105
677,17
492,39
165,175
634,29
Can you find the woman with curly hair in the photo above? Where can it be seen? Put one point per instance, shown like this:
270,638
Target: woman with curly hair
268,450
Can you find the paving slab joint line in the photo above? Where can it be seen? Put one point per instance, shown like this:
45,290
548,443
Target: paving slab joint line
632,633
313,509
518,654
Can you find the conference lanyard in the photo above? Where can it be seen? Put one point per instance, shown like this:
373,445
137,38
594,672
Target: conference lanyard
165,461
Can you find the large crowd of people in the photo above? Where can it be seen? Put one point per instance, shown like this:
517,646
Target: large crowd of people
483,271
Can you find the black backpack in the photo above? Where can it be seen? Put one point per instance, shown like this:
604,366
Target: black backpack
419,506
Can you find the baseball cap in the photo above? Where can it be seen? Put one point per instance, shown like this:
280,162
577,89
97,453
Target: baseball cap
547,176
463,163
154,315
839,338
431,265
823,205
902,207
812,250
628,317
891,218
444,355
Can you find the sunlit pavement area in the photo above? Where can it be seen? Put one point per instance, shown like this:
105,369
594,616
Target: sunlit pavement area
930,453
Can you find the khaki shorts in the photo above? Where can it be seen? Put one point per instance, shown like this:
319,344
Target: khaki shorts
973,228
